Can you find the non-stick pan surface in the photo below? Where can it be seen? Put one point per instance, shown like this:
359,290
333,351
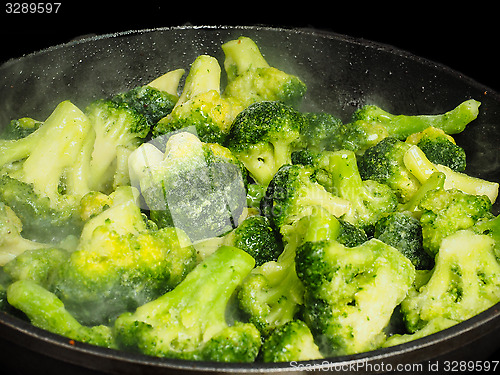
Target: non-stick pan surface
341,73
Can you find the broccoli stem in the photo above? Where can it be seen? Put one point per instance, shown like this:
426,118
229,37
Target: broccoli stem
168,82
183,320
401,126
422,168
435,181
64,133
46,311
204,76
242,55
343,170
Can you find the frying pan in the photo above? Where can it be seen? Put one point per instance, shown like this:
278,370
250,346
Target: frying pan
341,73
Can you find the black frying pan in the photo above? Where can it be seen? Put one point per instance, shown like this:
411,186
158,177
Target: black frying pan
342,73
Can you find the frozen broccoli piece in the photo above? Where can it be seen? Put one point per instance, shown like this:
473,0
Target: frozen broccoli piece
263,136
200,105
189,322
351,293
46,311
401,126
293,341
251,79
404,232
195,186
446,211
464,282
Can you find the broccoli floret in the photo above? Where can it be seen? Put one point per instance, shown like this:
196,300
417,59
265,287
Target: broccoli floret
17,129
292,341
12,244
194,186
150,102
189,322
350,235
272,294
93,203
404,232
358,136
464,282
402,126
320,131
117,125
422,168
293,193
490,227
255,193
251,79
37,265
440,148
44,174
256,236
120,264
446,211
351,293
200,105
369,199
46,311
263,136
384,163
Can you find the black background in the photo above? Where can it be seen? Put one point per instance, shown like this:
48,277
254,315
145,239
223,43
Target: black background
462,36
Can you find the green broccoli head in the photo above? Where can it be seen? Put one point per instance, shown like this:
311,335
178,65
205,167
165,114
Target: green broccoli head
152,103
402,126
251,79
403,231
120,263
369,199
358,136
42,221
440,148
292,341
195,186
447,211
351,293
464,282
320,131
46,311
293,193
350,235
189,322
490,227
114,273
384,163
272,294
38,265
256,236
200,105
263,137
